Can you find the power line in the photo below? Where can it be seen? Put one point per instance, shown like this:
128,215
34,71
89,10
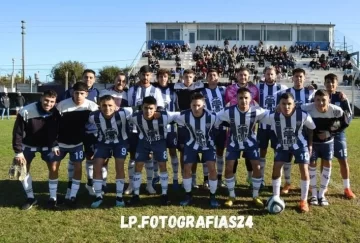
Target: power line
48,64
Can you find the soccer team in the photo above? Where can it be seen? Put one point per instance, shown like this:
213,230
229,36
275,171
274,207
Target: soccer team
193,118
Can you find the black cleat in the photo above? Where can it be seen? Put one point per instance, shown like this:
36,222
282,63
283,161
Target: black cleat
30,202
164,200
71,202
135,199
52,204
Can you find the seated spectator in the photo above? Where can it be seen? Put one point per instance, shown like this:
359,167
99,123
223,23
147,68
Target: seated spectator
314,85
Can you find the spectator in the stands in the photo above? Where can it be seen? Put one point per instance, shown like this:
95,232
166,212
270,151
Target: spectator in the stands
314,85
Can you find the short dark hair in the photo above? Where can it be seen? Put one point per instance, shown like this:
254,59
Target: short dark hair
162,71
106,98
80,86
331,76
321,93
150,100
145,69
49,93
212,70
242,90
197,96
298,70
189,71
89,71
242,69
121,73
286,96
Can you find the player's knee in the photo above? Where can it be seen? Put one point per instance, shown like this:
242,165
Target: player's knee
162,166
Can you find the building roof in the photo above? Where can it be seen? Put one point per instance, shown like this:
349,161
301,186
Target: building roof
245,23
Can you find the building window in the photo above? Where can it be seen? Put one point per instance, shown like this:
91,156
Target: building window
229,35
251,35
173,34
206,34
322,35
278,35
305,35
157,34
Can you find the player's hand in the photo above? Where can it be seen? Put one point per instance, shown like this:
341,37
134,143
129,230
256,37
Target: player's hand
310,87
157,115
277,109
56,151
342,96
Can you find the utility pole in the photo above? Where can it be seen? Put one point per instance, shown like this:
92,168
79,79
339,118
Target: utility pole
23,49
13,75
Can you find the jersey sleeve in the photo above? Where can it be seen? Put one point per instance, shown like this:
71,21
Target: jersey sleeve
309,123
128,112
307,107
18,134
263,115
172,116
180,120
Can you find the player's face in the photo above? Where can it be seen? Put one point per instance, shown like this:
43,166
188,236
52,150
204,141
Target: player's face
188,79
298,80
212,78
163,79
321,103
120,82
107,108
148,110
330,85
47,102
270,76
89,79
79,97
145,77
242,77
244,100
287,106
197,107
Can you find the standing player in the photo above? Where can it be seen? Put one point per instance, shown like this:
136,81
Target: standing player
340,147
242,119
171,104
152,127
200,124
268,99
329,119
136,95
288,125
35,131
73,124
112,137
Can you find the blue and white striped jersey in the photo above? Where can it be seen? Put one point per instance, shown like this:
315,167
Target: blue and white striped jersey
289,130
136,94
171,103
199,128
302,96
242,135
214,98
113,130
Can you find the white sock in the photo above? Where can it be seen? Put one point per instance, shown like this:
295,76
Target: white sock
220,164
187,184
74,187
70,169
230,183
156,168
325,179
304,189
89,169
193,176
104,171
164,182
346,183
256,183
276,186
120,187
149,166
136,182
175,167
287,172
313,182
205,169
98,187
53,184
213,186
262,167
27,184
131,169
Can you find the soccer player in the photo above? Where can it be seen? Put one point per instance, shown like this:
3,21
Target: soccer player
329,120
117,91
136,94
288,125
268,99
242,119
112,137
171,104
340,146
200,124
35,131
74,114
152,127
302,95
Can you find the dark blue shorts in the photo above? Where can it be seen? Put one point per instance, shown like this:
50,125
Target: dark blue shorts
323,151
171,140
264,136
192,156
133,142
46,155
251,154
158,150
301,155
220,139
76,153
340,146
117,150
90,140
183,136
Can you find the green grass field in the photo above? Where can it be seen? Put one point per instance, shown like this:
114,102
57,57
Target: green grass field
340,222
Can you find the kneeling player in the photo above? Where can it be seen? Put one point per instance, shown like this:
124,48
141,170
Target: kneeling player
241,119
112,141
199,123
328,119
288,127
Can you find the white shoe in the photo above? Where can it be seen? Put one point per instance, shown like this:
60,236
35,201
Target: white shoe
129,190
68,191
150,189
90,190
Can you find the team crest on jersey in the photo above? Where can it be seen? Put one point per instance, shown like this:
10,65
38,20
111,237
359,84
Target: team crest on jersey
216,104
153,135
270,102
200,138
111,134
298,103
242,132
289,136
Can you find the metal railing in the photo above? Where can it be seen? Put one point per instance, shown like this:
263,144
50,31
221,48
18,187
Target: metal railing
138,56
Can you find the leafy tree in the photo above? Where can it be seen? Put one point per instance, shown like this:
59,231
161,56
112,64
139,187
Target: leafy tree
108,73
74,68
